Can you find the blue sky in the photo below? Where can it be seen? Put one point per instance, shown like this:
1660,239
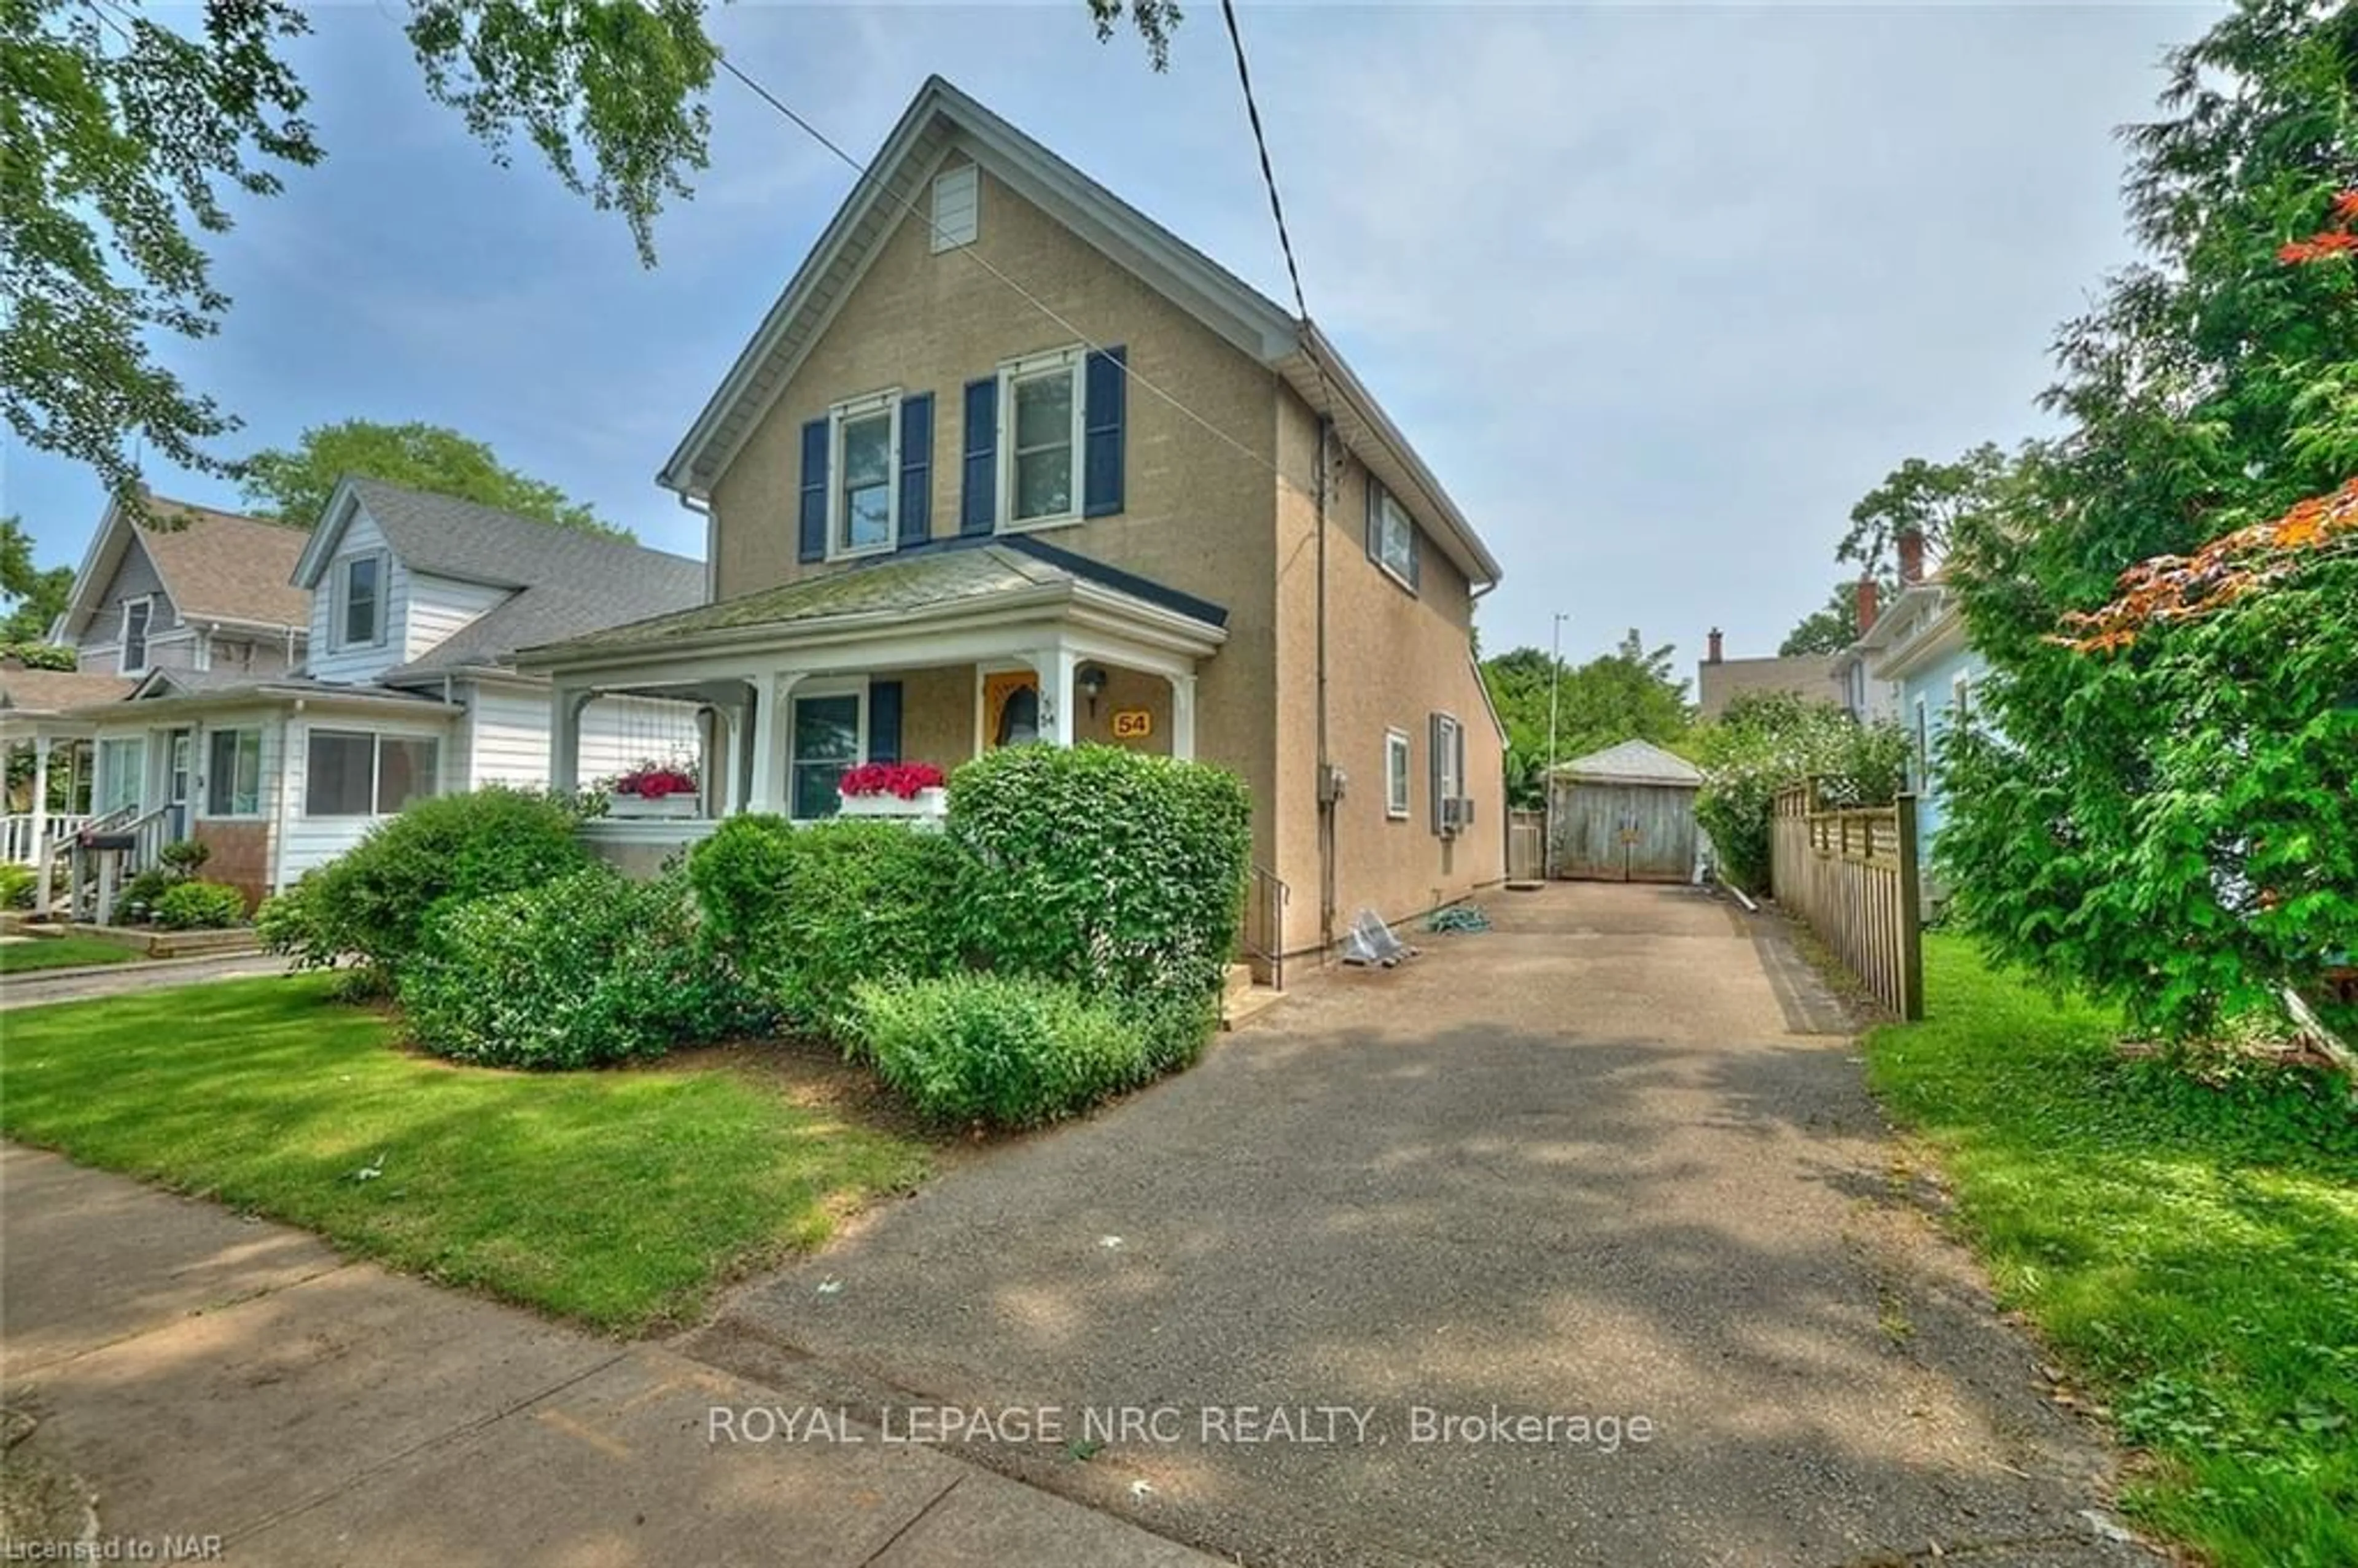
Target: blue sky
1657,292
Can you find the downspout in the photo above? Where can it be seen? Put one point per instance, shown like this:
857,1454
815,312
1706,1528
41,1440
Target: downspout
711,556
1325,783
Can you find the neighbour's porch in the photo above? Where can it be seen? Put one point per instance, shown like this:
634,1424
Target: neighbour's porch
933,657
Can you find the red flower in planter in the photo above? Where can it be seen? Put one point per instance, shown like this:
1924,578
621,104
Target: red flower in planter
652,781
902,779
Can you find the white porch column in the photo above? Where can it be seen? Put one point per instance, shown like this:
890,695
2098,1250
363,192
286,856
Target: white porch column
565,706
772,707
1183,717
40,823
1054,665
729,797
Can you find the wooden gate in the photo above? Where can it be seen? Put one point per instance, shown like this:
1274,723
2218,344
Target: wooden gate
1851,875
1624,832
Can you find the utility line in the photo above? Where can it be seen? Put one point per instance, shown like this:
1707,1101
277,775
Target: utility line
909,206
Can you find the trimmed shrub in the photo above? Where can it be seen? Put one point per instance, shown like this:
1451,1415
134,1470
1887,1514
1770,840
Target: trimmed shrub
1098,867
184,857
808,913
590,969
142,894
375,900
199,906
995,1048
17,884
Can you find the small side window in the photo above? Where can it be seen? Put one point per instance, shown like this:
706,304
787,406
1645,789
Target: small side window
1396,775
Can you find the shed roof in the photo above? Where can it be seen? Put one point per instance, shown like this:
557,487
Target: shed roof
1633,762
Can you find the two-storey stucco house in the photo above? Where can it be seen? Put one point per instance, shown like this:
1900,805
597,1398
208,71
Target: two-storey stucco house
412,608
1008,460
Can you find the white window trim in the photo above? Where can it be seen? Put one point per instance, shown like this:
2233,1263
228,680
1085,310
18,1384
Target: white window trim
146,603
1921,751
1388,506
1398,753
377,738
202,806
1074,362
841,686
1452,774
887,402
340,610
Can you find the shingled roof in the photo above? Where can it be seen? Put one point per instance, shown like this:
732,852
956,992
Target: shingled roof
54,691
934,576
1633,762
566,582
224,565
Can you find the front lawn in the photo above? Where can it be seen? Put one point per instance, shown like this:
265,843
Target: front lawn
2189,1251
620,1198
60,953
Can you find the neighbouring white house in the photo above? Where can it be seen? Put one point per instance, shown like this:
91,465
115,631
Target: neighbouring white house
414,606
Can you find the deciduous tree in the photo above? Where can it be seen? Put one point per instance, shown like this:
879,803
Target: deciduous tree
294,486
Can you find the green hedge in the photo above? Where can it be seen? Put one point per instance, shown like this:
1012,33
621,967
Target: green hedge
199,906
1102,868
587,970
374,901
996,1048
810,912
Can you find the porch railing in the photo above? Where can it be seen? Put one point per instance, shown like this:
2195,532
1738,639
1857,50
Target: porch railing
1264,927
18,846
91,883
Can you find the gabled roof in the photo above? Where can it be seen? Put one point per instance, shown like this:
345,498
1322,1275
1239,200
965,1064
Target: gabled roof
54,691
941,119
216,566
563,582
940,578
1633,762
203,691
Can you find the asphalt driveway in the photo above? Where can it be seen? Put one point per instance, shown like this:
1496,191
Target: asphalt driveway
1611,1163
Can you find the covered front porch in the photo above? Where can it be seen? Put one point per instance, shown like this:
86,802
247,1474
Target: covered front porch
932,659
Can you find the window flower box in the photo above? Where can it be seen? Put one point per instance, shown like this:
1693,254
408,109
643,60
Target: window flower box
654,789
894,789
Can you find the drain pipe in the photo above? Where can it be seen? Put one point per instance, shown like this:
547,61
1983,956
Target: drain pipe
1325,761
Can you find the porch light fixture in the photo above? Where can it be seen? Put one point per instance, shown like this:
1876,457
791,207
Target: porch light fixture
1091,679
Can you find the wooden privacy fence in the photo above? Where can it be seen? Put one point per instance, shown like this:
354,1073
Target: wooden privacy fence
1851,874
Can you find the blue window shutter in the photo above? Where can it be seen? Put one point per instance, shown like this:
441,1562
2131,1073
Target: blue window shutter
884,721
813,537
1102,393
917,469
979,486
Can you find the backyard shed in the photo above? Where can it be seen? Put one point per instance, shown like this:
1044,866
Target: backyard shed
1625,814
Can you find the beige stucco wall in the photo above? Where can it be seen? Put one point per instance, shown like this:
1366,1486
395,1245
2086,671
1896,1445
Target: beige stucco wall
1197,513
1393,659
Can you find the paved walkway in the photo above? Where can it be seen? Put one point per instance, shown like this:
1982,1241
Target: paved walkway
40,986
1598,1165
208,1375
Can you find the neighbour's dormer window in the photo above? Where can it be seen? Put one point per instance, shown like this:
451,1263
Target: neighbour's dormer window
136,613
361,602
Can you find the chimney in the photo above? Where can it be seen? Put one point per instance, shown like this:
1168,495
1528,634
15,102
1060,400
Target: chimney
1712,657
1867,605
1911,558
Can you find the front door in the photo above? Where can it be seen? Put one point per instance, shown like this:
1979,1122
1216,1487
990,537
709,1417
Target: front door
1010,709
180,754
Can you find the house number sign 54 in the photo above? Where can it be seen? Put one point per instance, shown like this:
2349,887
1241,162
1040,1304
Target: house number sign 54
1132,724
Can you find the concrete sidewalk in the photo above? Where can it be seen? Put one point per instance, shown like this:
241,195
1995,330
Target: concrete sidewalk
207,1376
39,988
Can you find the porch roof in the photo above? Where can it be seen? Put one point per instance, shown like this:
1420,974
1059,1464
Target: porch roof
169,692
29,692
939,579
